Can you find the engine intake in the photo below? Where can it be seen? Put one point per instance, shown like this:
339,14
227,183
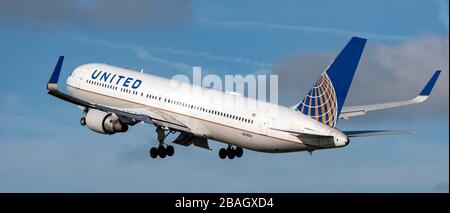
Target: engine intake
104,123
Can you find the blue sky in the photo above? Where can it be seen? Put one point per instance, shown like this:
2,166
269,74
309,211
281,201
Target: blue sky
44,149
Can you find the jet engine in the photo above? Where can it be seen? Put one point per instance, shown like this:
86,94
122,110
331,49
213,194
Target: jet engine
104,123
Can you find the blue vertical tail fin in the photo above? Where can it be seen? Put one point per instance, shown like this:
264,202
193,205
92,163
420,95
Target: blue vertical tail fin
327,96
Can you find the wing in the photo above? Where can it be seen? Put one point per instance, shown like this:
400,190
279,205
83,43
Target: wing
135,115
146,115
351,111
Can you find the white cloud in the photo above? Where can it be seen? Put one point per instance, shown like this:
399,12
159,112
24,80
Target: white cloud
148,54
443,12
95,14
302,28
140,52
210,56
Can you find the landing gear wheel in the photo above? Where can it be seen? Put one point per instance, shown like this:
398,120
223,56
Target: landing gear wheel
162,151
238,152
83,121
153,152
222,153
230,152
170,150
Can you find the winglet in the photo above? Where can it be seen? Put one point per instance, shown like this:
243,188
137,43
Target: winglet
53,82
426,91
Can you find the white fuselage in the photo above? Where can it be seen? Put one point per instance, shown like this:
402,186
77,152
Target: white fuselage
216,115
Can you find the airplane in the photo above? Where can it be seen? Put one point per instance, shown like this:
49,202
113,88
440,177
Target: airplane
112,99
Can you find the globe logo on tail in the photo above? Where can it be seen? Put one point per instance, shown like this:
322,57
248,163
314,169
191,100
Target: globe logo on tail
321,102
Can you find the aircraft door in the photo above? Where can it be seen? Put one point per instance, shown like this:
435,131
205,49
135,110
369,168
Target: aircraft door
76,78
265,125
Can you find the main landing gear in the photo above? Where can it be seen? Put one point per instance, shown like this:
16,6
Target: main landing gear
162,151
230,152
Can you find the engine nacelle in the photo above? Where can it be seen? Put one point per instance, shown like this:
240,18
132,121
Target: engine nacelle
104,123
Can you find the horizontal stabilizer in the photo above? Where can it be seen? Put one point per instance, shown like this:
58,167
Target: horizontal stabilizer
369,133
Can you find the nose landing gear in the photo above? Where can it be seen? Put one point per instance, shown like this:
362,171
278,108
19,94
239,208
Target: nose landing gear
230,152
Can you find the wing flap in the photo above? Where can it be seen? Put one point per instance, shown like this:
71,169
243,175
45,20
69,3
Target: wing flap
186,139
68,98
